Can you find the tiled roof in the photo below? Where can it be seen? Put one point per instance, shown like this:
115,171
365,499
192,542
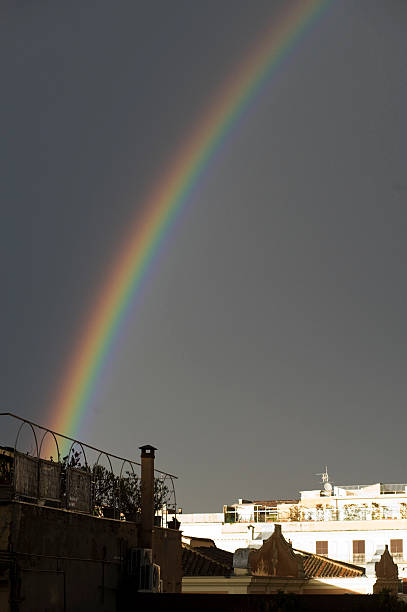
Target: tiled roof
204,561
194,539
217,554
198,563
212,561
317,566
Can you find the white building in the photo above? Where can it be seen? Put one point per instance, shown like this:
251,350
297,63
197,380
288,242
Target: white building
348,523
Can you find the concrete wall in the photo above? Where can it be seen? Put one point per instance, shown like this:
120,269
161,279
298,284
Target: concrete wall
225,535
61,560
235,585
258,584
340,586
167,553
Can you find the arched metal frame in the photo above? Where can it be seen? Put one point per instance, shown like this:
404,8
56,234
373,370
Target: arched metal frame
123,464
14,477
34,434
172,495
83,450
158,474
47,431
108,458
112,472
85,472
120,480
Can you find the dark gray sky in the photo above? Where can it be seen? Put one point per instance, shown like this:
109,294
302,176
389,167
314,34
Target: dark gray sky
270,339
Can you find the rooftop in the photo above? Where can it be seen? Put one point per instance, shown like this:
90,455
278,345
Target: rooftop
212,561
317,566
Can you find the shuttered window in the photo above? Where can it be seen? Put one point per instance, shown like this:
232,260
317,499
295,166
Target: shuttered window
321,547
358,551
396,549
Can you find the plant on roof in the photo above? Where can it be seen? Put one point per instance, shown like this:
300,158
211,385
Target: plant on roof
114,495
295,513
123,494
375,511
352,512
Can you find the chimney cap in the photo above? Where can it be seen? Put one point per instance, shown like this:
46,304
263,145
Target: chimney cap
147,450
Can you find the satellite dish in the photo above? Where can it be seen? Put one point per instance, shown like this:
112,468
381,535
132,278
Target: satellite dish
328,487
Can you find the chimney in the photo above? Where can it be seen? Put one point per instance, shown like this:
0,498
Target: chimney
147,495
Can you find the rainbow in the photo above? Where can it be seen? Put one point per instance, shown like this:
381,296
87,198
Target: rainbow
162,207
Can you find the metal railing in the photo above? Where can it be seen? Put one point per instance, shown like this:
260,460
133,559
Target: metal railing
396,489
79,480
258,514
301,514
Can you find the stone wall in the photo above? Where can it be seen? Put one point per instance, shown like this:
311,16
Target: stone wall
62,560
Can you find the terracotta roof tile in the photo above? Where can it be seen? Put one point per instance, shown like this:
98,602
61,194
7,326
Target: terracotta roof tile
212,561
197,563
317,566
217,554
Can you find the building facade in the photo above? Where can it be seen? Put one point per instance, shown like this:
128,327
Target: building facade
352,524
278,567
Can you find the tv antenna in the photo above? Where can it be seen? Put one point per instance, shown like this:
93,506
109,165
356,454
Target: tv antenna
324,475
325,481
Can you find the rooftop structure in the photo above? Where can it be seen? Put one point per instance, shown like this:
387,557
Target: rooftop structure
76,535
278,567
87,480
350,523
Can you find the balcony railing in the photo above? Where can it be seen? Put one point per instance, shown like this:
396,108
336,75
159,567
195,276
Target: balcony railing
256,515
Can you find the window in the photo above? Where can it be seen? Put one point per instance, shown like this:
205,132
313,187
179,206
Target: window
358,551
396,549
321,547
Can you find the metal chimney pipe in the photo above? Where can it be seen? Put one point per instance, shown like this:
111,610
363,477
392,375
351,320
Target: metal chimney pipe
147,495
